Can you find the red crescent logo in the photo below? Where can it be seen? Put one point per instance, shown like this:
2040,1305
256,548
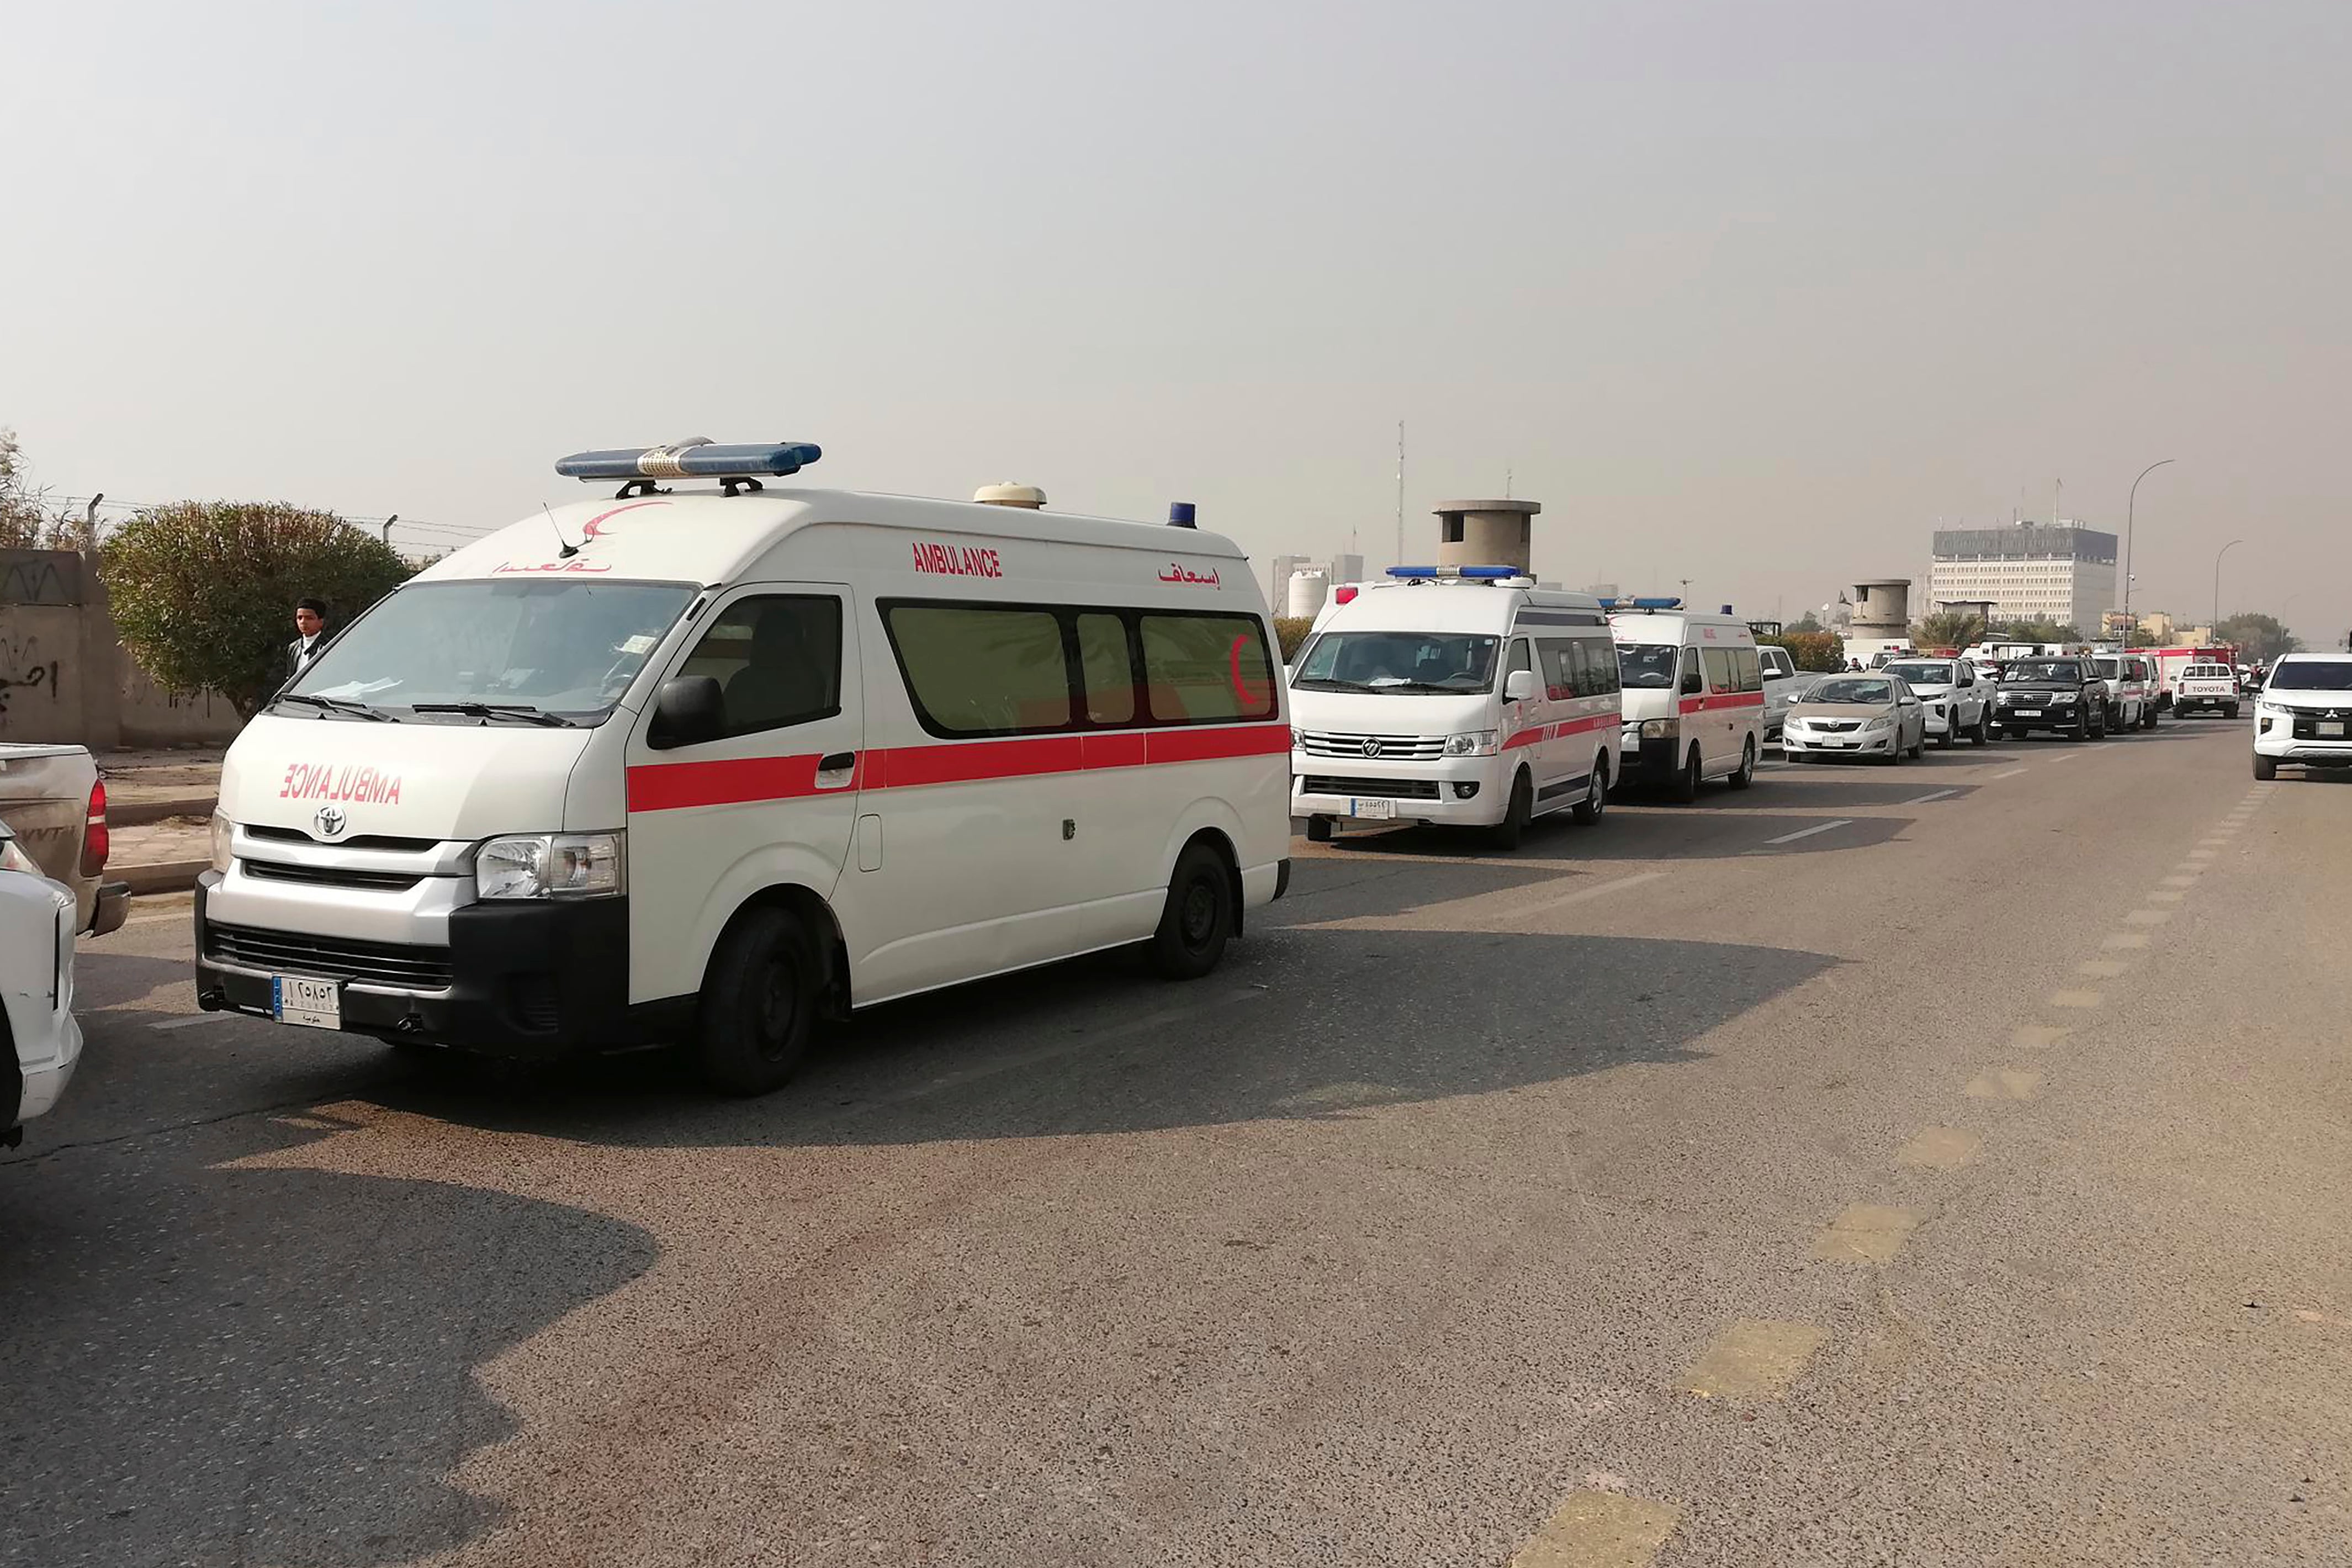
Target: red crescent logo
595,529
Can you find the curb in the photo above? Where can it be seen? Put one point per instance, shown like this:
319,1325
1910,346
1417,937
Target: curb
161,877
146,812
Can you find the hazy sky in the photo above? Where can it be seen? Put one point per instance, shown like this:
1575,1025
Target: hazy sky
1751,293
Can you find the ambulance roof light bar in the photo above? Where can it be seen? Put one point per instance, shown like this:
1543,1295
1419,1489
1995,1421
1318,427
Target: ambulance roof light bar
1645,605
699,458
1461,573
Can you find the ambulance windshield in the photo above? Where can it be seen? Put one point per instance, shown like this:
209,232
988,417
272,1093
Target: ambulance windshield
470,652
1412,663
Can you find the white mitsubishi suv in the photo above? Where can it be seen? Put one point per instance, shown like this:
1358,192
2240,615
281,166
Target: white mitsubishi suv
2303,715
39,1041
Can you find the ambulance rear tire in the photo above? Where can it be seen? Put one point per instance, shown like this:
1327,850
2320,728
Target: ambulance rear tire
1507,834
1595,803
1198,920
1746,773
758,1006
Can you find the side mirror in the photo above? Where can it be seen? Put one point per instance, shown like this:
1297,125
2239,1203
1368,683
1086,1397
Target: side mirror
1519,685
1691,687
687,711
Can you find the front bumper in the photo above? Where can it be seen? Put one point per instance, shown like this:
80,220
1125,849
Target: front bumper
2073,716
1466,791
2276,738
531,979
1856,744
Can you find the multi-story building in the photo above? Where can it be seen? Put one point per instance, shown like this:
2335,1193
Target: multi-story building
2028,571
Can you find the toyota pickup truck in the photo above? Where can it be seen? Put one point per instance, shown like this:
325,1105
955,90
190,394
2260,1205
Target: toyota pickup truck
2207,689
54,802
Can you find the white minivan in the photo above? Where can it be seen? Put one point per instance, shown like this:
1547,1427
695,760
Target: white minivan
1693,696
700,766
1460,697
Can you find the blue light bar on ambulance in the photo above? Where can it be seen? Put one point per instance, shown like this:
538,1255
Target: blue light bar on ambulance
1475,573
1645,604
691,460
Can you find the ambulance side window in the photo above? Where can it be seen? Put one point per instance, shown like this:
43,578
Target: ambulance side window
981,669
1748,669
1719,675
1602,654
777,659
1206,668
1559,659
1109,669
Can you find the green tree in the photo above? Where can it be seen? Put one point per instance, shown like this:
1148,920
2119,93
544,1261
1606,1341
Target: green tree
1810,650
1292,630
204,591
2036,631
1807,622
1949,628
2255,636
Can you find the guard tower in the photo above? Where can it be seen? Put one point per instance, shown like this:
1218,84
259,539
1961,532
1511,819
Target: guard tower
1486,533
1881,610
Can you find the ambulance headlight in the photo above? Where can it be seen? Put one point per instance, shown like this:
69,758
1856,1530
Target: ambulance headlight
1297,740
224,835
1476,744
1661,728
552,866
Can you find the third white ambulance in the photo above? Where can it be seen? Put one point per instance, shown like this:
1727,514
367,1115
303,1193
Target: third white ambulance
698,766
1464,697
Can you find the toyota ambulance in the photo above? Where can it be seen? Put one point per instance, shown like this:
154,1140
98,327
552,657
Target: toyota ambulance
1693,696
1460,697
703,764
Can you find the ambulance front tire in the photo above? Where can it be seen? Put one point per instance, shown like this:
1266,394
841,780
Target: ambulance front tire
1685,784
758,1006
1198,920
1506,835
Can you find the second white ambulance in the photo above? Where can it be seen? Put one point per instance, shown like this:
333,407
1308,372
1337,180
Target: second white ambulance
699,766
1693,696
1460,697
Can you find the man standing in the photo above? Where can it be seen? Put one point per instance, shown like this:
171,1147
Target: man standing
310,620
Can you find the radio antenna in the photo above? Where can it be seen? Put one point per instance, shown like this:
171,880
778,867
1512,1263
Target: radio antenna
569,549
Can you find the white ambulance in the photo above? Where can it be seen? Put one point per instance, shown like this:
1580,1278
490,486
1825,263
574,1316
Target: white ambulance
1693,696
702,766
1461,697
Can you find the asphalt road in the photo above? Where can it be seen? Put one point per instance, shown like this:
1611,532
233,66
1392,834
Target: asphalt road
1941,1165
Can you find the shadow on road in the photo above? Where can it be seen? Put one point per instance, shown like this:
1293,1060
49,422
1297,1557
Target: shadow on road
213,1366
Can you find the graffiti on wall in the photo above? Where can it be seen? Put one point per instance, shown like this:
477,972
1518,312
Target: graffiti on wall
40,577
24,675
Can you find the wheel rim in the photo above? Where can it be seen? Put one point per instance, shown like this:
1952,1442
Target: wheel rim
1596,792
776,1004
1198,920
1748,761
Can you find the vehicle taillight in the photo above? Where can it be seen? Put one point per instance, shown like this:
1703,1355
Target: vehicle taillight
96,841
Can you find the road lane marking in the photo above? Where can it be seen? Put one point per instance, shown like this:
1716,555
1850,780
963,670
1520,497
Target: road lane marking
2147,917
189,1020
2167,896
2011,774
1939,1148
2039,1036
2180,882
1940,794
2200,853
1866,1233
2065,759
1808,832
2078,999
2101,968
1598,1529
1600,891
2212,844
2005,1083
1753,1358
2124,941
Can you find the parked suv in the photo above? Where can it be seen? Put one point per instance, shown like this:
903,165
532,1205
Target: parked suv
2063,695
2131,694
1782,682
1957,700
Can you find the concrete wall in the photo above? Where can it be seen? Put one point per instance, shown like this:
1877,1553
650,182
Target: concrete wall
65,677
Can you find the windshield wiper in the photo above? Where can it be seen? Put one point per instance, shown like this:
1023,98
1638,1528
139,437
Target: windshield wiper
341,705
485,711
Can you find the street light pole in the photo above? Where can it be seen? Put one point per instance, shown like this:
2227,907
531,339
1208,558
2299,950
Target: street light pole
2130,504
2217,580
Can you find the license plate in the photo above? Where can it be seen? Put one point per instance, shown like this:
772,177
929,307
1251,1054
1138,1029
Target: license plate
2026,713
313,1004
1373,808
2331,727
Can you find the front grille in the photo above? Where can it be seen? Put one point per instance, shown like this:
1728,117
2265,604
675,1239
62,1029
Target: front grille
2307,727
409,967
1837,726
360,841
1403,748
1378,789
332,875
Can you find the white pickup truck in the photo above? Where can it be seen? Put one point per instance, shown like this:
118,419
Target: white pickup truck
52,799
2207,689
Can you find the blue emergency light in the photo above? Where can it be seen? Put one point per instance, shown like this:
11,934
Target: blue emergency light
698,460
1490,573
1475,573
1645,604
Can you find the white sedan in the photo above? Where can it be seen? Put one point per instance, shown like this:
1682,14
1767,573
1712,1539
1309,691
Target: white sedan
1875,716
39,1041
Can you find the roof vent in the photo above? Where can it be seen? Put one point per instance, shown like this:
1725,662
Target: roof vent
1028,498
